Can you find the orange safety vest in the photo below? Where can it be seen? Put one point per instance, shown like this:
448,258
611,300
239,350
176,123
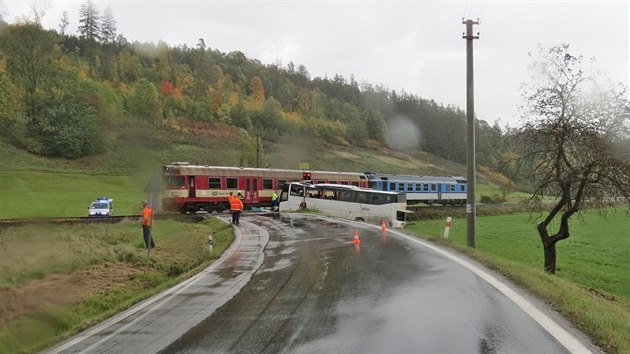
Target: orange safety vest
236,204
147,214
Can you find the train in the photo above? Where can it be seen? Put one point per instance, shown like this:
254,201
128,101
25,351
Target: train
189,188
446,190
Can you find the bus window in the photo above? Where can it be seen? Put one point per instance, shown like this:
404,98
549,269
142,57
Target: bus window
214,182
347,196
364,197
232,183
297,190
380,199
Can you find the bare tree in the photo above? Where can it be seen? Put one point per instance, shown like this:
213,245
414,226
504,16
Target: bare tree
569,146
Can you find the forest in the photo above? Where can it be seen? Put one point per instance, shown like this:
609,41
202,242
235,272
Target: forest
73,96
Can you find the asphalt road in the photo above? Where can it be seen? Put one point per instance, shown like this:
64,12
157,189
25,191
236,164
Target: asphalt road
298,284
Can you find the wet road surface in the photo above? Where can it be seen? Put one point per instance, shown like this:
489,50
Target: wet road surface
298,284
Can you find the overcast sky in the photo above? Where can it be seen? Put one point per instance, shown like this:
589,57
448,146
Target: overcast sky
415,46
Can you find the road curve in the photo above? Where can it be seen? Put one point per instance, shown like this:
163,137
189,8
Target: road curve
297,283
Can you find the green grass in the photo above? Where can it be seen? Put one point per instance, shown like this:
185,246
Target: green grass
46,259
28,194
591,285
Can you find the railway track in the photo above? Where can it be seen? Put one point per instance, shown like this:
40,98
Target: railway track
420,211
94,220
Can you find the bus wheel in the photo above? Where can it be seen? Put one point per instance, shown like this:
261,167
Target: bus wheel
303,205
359,220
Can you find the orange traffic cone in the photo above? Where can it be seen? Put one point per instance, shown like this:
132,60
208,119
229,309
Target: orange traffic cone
356,240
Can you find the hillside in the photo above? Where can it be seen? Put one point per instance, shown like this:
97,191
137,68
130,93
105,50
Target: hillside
35,186
140,152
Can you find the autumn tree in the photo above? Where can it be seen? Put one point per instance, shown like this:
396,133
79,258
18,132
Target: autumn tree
29,53
68,124
144,101
568,143
257,89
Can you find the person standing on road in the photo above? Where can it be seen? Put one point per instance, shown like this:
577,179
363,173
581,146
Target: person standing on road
275,201
236,205
147,223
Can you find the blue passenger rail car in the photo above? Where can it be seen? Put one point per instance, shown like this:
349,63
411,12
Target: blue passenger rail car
447,190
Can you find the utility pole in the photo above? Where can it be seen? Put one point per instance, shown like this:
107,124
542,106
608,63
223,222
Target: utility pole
471,212
257,151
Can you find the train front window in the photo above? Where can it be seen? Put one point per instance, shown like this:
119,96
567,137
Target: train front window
174,181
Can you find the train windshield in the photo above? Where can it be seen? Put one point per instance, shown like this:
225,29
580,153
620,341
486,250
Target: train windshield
174,181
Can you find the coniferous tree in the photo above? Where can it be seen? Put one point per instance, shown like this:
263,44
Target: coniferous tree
89,21
108,26
64,23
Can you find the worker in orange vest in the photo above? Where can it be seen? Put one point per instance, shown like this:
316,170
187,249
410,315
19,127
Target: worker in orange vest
147,223
236,206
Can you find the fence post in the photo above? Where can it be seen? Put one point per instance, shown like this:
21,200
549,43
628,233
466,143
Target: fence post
447,228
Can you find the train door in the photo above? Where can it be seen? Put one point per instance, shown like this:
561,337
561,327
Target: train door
251,191
191,187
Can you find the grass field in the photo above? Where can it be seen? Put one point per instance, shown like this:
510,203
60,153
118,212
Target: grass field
28,194
591,286
58,279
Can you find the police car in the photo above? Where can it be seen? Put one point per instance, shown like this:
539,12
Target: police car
101,207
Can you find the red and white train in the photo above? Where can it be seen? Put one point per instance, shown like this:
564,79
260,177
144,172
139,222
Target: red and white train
191,188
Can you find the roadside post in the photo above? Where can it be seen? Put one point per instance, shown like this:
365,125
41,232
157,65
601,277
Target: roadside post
210,243
447,228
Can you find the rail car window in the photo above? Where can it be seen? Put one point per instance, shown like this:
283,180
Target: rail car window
451,188
232,183
433,187
425,187
214,182
409,187
281,183
332,182
345,183
174,181
267,183
355,184
462,187
392,186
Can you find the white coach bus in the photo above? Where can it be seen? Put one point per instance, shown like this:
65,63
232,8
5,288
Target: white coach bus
347,202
